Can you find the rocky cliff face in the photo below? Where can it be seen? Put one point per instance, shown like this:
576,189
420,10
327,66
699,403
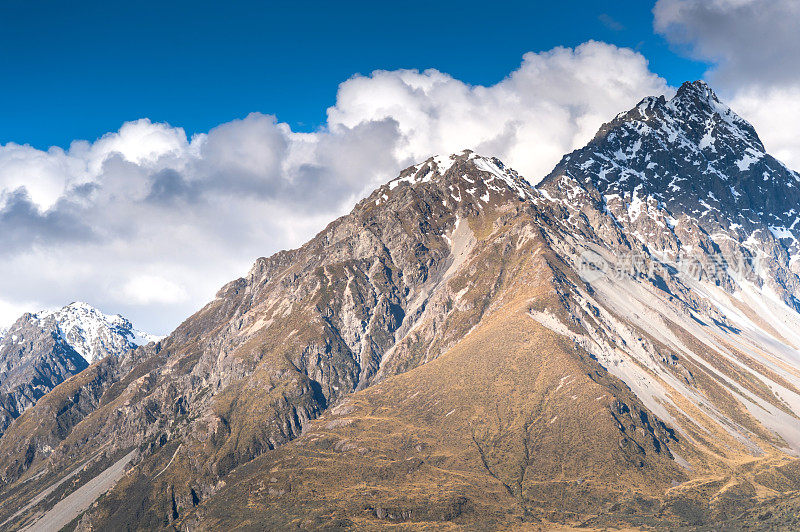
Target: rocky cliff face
41,350
466,347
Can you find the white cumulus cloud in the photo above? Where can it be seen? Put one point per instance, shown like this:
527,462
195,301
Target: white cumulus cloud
146,289
149,223
553,103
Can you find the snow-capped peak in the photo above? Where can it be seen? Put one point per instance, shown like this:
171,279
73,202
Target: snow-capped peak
697,89
438,165
92,333
691,160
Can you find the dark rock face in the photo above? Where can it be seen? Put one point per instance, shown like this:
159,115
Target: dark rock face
33,361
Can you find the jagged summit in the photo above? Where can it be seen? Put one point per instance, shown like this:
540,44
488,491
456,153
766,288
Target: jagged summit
693,154
695,113
689,177
698,91
451,186
92,333
466,166
697,98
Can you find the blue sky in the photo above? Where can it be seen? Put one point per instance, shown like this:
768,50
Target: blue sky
78,70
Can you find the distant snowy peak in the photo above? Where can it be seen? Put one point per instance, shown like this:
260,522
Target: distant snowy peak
40,351
91,333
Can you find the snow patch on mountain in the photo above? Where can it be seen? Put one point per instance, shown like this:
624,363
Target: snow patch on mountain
92,333
493,175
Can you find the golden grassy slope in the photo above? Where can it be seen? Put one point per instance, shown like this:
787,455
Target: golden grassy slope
512,423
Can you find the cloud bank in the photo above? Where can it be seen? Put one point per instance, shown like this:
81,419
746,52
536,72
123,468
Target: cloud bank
149,223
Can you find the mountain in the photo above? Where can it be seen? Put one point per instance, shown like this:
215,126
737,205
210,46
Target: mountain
614,347
680,194
91,333
667,166
41,350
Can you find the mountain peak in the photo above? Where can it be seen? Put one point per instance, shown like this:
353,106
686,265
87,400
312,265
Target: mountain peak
693,155
697,102
697,89
693,113
92,333
694,118
464,178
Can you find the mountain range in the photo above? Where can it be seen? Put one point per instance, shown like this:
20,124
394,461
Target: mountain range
616,346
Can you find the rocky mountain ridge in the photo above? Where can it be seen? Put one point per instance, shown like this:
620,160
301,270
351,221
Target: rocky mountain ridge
501,353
